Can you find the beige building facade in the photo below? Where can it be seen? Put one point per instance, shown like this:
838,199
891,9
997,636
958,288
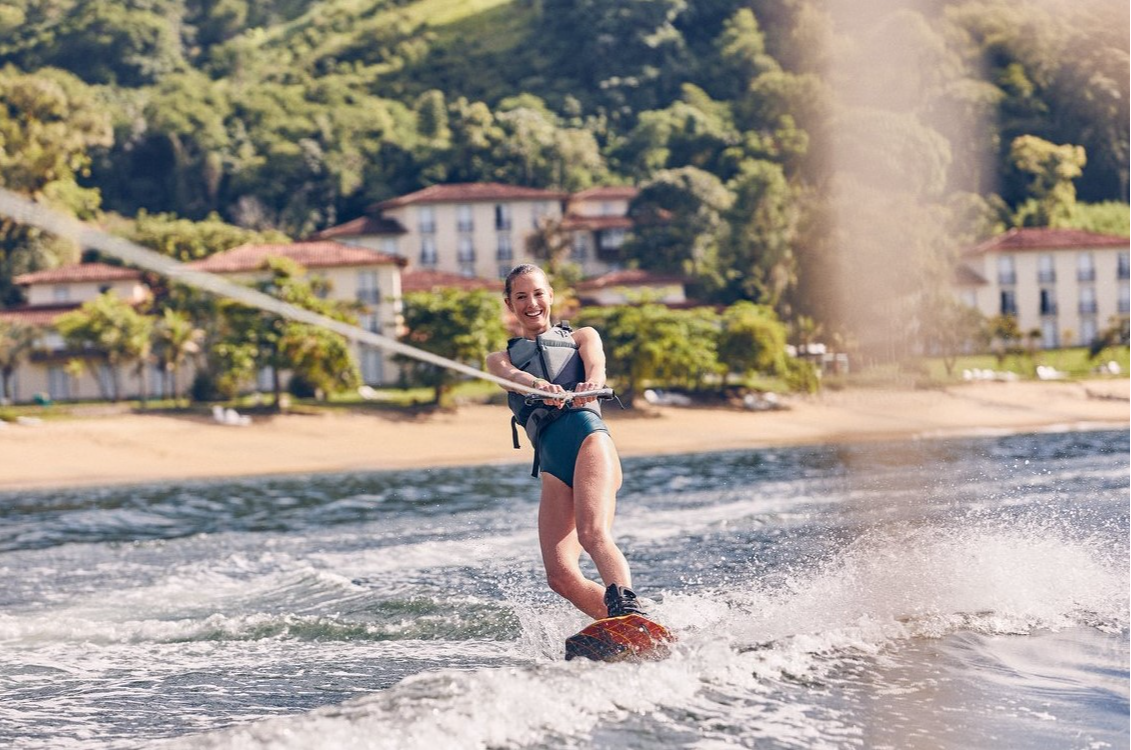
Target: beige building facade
370,279
482,229
46,373
1067,284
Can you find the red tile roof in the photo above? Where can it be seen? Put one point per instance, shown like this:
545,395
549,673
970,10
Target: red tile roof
1044,238
469,192
38,315
78,272
364,225
427,280
629,277
323,254
607,193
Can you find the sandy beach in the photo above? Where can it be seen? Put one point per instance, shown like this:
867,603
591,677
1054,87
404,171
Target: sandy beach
130,448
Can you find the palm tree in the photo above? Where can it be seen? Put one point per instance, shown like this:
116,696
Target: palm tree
176,339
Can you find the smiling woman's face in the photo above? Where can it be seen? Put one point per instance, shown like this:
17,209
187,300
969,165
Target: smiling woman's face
530,300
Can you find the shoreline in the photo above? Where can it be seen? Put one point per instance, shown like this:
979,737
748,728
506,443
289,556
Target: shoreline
145,448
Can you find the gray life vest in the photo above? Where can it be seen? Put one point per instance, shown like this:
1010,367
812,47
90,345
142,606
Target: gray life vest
552,356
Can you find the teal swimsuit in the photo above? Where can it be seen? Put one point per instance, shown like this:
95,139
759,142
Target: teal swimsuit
560,442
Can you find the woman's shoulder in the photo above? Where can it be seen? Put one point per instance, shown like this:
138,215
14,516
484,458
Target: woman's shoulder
586,333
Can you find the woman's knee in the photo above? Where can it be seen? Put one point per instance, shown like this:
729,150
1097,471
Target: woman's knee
594,537
565,583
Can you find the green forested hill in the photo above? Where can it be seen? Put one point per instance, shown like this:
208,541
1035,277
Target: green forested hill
740,119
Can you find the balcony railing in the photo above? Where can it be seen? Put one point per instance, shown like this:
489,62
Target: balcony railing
1088,308
1007,278
1046,277
1086,274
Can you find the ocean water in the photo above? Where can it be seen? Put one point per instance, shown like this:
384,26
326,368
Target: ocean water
959,593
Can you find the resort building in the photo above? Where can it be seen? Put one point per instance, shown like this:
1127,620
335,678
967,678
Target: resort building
483,229
51,294
370,279
1068,284
597,220
470,229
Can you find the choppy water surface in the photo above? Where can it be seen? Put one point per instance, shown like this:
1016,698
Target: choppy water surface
934,594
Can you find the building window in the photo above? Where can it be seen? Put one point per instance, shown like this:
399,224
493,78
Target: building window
428,251
579,248
1088,330
1006,274
464,220
502,216
1124,266
539,212
1124,299
1048,302
1085,268
1046,273
389,246
610,239
504,269
427,219
465,250
1008,302
61,293
608,209
505,249
368,291
58,384
1050,337
1087,300
372,366
370,322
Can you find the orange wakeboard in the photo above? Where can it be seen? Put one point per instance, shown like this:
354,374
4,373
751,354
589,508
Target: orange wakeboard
626,638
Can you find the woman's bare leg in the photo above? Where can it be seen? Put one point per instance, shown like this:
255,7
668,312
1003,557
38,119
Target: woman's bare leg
561,550
597,477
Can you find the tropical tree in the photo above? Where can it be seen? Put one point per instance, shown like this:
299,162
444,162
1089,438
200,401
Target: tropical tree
109,328
1116,334
752,339
679,223
1052,170
177,338
17,340
950,328
1005,336
49,122
757,261
651,342
464,326
250,340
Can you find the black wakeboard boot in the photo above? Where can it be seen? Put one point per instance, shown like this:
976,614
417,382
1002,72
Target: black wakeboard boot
620,601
